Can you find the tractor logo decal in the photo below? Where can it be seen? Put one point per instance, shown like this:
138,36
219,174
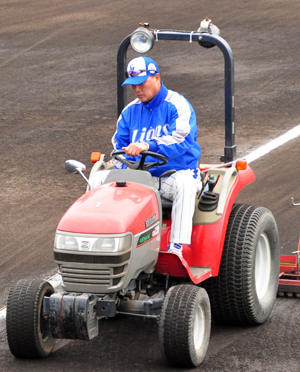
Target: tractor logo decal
85,245
148,235
151,221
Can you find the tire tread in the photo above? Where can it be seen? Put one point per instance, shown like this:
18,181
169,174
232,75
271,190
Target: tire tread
22,319
231,292
176,322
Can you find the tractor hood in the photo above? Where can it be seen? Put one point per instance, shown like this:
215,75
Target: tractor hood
112,209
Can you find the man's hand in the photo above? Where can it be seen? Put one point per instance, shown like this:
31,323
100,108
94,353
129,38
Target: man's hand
134,149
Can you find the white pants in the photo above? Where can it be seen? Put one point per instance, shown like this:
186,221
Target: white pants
181,187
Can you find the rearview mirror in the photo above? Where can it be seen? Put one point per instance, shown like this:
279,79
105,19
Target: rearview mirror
74,166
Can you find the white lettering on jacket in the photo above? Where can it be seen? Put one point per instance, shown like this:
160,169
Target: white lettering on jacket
147,135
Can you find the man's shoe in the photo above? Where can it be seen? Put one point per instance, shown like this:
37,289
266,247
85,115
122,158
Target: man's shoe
175,248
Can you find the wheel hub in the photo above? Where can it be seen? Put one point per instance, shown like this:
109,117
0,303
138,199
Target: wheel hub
262,266
199,327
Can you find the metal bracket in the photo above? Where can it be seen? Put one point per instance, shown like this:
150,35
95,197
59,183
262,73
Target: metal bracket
293,201
72,315
106,308
149,308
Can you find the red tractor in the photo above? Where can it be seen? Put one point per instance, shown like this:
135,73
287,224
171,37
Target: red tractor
111,249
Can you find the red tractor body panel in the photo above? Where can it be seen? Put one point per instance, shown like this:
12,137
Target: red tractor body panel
207,240
110,209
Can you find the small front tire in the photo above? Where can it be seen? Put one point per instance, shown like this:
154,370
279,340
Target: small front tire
27,327
184,327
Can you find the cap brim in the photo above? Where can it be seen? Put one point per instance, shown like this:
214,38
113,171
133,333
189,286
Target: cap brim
135,80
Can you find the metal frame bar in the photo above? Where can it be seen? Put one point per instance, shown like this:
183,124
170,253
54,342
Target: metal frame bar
230,147
289,286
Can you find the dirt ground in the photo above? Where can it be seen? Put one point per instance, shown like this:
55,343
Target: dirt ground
58,101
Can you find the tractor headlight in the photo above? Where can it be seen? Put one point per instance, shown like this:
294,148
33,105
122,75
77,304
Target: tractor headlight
92,244
142,40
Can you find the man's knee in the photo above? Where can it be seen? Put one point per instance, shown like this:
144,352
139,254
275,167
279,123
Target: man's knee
185,182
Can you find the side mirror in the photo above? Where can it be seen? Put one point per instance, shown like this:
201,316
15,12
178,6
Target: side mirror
74,166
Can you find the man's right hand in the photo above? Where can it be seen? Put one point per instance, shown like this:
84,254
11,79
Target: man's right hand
134,149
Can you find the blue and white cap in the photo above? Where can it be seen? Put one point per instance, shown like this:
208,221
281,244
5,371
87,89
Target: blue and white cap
139,69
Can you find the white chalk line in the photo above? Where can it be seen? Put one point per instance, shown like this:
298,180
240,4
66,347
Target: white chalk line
277,142
256,154
31,47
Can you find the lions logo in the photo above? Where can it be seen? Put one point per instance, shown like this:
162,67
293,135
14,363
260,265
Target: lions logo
152,67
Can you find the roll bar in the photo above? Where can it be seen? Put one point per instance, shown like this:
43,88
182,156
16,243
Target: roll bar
200,37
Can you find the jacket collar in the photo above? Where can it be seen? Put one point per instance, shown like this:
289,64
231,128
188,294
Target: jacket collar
158,99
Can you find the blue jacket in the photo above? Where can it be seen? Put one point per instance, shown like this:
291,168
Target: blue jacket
167,123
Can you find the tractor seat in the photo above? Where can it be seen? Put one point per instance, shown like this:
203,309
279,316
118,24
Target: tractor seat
166,203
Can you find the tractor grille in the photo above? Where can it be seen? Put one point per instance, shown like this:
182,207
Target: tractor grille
104,275
108,276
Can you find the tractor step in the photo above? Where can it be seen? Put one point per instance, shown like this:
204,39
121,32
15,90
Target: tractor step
199,271
177,266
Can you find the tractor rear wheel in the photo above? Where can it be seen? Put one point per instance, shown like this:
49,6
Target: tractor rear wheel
245,290
28,332
184,327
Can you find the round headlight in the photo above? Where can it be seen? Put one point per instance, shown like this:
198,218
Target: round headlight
142,40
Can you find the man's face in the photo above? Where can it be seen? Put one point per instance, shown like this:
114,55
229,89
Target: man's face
146,91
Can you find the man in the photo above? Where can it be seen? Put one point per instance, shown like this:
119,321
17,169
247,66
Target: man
164,122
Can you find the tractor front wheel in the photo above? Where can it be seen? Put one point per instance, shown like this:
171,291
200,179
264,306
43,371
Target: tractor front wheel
184,327
27,327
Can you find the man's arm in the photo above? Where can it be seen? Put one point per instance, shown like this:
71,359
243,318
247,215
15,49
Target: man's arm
121,141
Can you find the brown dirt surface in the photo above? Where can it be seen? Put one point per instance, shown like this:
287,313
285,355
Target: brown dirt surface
58,101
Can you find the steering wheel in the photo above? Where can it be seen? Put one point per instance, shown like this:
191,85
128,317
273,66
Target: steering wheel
141,165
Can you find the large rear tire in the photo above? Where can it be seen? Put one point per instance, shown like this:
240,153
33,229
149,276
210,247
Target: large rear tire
184,327
27,329
245,290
